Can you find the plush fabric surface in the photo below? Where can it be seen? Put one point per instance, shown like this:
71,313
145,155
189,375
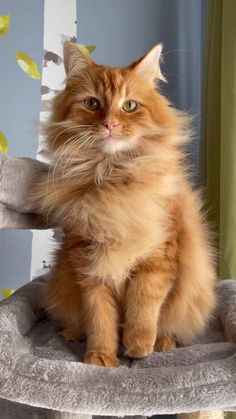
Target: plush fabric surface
39,368
16,176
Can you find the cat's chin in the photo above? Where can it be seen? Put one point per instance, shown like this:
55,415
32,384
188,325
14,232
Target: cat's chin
113,145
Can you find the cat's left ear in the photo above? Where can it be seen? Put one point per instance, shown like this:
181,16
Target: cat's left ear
75,60
148,66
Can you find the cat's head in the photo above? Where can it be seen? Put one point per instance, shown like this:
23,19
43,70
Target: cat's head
109,110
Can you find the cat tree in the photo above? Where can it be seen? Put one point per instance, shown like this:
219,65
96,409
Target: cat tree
41,375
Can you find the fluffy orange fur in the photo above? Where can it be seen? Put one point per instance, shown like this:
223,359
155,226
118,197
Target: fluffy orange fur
135,261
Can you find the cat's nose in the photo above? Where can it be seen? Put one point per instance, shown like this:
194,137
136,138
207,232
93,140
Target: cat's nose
110,125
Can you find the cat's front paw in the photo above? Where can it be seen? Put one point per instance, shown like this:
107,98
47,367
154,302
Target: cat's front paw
100,359
137,345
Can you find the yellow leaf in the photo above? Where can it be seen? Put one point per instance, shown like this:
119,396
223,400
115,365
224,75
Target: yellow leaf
87,48
27,64
3,143
4,23
6,292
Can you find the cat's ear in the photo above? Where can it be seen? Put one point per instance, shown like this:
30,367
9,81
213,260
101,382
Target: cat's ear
148,66
75,60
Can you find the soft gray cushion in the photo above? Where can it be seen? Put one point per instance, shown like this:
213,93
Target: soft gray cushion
39,368
16,177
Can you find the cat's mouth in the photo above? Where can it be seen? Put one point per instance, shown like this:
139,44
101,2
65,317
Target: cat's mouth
114,139
113,143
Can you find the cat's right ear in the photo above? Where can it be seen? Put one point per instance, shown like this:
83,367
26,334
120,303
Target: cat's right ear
75,60
148,66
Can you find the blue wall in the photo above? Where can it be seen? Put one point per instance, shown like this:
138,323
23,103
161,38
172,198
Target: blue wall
20,94
19,115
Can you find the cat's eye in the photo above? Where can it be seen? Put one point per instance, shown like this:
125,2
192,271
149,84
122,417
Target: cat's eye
92,104
129,106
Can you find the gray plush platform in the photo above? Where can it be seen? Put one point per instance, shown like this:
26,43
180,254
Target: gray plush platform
16,176
39,368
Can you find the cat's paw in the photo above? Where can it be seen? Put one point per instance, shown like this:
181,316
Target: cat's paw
137,345
100,359
73,335
165,344
137,352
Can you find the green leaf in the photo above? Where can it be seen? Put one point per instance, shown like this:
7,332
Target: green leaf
87,48
28,65
3,143
6,292
4,24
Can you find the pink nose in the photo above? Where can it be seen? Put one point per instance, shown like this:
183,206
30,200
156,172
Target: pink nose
110,125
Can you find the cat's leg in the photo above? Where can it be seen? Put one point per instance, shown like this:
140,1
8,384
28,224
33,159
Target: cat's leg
188,308
146,292
62,300
165,344
101,323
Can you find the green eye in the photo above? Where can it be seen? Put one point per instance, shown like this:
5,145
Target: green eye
129,106
92,104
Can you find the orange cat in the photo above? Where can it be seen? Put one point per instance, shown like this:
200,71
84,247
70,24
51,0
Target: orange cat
135,256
